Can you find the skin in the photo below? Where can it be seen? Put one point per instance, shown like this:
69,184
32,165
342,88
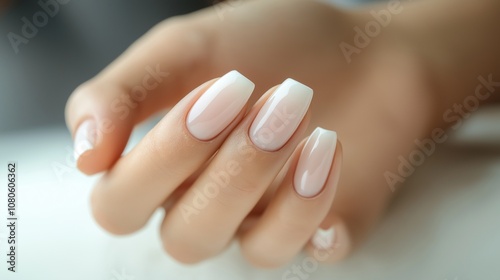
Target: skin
393,92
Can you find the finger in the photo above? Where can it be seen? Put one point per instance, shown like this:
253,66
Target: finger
331,242
175,148
170,201
153,74
300,204
256,211
207,217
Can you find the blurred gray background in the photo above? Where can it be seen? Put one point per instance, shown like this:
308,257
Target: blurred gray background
79,41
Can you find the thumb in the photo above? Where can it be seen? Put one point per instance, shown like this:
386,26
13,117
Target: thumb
153,74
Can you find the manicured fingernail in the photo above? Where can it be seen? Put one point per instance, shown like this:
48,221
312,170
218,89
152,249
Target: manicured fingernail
315,162
85,138
324,239
280,116
219,105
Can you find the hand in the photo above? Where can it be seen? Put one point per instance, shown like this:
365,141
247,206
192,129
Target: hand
267,41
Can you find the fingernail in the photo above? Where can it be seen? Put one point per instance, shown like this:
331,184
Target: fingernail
219,105
85,138
281,115
324,239
315,162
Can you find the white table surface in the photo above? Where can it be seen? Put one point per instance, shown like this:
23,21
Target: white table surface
444,223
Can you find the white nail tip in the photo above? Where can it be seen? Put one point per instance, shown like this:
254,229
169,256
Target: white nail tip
315,162
324,239
84,138
280,116
219,105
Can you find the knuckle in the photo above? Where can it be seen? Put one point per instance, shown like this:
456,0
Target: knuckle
192,38
77,95
102,216
190,243
88,98
109,218
186,32
246,186
181,247
171,21
231,194
163,157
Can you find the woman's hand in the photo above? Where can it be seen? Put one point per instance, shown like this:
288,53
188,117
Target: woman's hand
208,162
379,104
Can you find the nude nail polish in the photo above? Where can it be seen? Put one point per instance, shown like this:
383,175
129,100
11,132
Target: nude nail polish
219,105
280,116
315,162
324,239
85,138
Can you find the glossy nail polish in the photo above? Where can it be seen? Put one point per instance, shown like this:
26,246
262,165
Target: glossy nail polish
324,239
280,116
85,138
219,105
315,162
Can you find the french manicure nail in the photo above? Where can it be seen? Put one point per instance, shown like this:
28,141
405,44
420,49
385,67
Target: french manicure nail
85,138
324,239
280,116
219,105
315,162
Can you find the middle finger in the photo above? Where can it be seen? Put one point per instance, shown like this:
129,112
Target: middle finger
206,218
